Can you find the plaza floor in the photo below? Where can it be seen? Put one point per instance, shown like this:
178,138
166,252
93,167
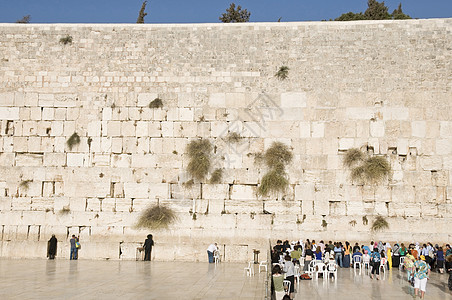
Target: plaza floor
85,279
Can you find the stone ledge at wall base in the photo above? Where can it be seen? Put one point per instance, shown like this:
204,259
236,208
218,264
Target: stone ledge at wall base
127,251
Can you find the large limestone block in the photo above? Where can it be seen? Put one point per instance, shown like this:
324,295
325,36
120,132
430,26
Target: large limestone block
418,128
28,160
293,100
431,163
243,192
144,99
217,100
136,190
121,161
243,206
443,146
9,113
20,204
6,99
215,191
395,113
359,113
158,191
283,206
77,159
178,205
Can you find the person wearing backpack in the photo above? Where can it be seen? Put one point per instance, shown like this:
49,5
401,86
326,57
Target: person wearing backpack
375,259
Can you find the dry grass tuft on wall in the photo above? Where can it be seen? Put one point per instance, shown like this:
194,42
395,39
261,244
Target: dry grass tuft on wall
275,180
156,217
199,152
353,156
216,177
379,224
73,141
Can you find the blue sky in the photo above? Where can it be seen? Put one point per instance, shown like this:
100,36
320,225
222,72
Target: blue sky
202,11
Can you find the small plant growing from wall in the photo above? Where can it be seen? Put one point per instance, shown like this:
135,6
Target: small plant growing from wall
352,223
275,180
353,157
379,224
282,73
156,217
25,184
324,224
156,103
73,140
199,152
233,137
365,168
66,40
189,184
65,210
216,177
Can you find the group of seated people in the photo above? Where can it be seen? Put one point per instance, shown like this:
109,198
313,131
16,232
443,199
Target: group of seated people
376,255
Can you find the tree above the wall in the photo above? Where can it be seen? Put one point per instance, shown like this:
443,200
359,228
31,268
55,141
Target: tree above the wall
235,15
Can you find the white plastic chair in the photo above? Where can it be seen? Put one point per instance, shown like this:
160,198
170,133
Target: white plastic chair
263,265
217,256
250,269
366,261
357,262
297,275
321,268
286,285
402,260
332,269
301,261
311,268
383,265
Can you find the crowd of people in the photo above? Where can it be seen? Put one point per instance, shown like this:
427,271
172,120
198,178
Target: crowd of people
418,260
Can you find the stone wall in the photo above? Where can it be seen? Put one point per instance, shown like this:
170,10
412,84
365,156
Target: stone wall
383,86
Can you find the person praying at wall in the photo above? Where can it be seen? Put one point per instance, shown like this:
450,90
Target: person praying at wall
148,244
52,247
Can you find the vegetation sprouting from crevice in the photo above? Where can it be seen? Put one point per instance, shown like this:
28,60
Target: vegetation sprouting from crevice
156,217
365,168
156,103
199,152
379,224
216,176
282,73
275,180
73,140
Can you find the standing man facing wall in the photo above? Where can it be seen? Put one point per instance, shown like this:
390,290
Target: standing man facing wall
210,250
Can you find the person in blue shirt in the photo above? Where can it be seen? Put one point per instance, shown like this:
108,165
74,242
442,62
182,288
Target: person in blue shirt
375,259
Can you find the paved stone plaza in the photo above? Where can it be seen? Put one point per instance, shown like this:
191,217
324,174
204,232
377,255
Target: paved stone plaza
84,279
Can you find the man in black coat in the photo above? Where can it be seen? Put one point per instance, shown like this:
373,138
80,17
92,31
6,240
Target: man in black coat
52,247
148,243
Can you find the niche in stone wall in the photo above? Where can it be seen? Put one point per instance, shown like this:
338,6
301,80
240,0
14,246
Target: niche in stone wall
9,128
337,208
51,188
117,189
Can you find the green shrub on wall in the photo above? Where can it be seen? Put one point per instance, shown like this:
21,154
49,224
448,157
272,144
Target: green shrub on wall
275,180
365,168
156,217
199,152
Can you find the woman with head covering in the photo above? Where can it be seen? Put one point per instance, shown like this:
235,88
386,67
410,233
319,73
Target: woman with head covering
408,263
52,247
380,246
148,243
395,256
389,255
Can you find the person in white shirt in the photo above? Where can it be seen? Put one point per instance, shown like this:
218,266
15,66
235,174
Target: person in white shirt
210,250
289,269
